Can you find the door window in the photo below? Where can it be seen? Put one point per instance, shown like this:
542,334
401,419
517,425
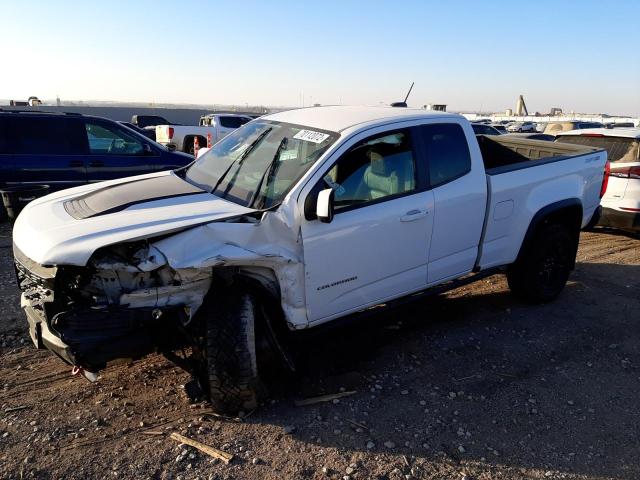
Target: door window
108,140
376,168
447,152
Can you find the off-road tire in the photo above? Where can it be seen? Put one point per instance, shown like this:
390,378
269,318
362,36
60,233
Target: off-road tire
541,272
230,352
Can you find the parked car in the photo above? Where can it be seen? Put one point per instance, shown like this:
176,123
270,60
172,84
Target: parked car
555,128
294,220
149,133
212,128
619,125
500,128
482,129
533,136
621,203
540,126
67,150
521,127
144,121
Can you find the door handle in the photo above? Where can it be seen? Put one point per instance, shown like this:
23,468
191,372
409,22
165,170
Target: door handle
76,163
96,164
412,215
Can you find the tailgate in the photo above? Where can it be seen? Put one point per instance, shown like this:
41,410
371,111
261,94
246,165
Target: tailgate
164,133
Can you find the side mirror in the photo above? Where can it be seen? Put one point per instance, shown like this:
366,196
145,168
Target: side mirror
324,206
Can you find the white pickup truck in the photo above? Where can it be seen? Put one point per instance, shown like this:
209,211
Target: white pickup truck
294,220
212,128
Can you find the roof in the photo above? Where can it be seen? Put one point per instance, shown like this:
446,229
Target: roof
338,118
606,132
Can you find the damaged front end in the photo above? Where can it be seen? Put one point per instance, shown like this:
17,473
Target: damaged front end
125,303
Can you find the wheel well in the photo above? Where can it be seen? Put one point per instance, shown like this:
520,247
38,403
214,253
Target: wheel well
566,212
263,285
187,144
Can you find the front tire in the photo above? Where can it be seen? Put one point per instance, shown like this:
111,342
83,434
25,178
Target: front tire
230,352
542,272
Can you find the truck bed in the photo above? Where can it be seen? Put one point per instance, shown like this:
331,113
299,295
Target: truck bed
524,175
502,154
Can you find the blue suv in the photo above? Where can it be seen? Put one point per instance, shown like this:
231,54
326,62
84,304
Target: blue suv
65,150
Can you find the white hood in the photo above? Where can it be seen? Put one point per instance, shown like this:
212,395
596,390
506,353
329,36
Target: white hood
47,234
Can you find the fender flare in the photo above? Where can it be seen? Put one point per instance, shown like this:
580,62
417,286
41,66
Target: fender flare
570,207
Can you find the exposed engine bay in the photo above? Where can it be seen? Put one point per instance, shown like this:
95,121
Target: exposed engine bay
136,275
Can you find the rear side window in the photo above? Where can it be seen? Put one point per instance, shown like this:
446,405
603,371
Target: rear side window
233,122
45,136
447,152
619,150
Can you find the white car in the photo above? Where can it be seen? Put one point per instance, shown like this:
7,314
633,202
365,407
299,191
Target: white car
212,128
294,220
621,203
517,127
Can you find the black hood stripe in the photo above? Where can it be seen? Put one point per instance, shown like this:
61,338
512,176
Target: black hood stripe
115,198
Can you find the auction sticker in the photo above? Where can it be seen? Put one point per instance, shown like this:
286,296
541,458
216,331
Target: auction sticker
311,136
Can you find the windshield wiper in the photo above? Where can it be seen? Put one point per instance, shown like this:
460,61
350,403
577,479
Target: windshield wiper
254,144
243,155
268,173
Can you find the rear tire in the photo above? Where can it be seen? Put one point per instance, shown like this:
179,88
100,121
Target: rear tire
230,352
542,272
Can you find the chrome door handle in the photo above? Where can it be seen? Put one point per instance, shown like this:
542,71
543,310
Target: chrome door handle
412,215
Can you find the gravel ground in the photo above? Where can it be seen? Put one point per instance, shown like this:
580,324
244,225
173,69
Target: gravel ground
471,384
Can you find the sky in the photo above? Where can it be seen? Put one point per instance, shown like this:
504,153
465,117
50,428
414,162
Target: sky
579,55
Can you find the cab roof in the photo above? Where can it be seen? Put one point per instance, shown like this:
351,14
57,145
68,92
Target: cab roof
339,118
622,132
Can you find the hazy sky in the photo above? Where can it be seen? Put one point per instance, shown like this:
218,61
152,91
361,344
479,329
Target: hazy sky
579,55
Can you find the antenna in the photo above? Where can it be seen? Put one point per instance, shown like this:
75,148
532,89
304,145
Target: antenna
403,103
408,93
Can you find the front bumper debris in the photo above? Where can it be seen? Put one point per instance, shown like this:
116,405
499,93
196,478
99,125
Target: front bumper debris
90,336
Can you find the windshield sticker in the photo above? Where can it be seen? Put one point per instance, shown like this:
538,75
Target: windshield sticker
311,136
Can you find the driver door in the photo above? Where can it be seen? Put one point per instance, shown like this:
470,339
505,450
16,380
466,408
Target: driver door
376,248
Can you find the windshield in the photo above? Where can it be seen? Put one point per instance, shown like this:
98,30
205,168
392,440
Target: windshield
619,150
257,164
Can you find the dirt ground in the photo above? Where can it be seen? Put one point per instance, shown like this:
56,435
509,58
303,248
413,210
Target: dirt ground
471,384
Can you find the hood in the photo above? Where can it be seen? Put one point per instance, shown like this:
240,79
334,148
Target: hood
67,227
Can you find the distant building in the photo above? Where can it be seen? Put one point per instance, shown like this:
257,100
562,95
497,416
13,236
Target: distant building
31,102
439,107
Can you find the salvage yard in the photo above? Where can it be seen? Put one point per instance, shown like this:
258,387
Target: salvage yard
469,384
